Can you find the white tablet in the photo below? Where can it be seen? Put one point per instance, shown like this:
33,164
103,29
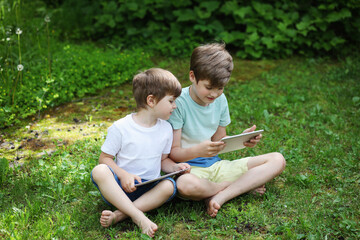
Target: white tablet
161,177
237,141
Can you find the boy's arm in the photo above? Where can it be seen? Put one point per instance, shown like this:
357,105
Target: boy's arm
168,165
219,134
203,149
127,179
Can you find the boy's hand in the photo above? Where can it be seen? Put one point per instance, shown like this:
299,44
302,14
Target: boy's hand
209,148
181,166
252,142
128,182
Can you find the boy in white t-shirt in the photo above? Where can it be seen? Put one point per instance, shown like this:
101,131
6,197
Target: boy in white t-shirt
141,143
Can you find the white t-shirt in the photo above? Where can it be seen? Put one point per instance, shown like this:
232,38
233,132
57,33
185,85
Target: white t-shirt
138,149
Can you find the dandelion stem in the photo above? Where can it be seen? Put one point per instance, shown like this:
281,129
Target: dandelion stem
19,48
48,38
14,90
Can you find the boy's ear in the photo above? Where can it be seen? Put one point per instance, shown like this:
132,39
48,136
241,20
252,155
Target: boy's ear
151,100
192,76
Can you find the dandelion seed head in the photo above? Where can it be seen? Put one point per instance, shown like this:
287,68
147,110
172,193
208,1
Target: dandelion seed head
18,31
20,67
8,39
47,19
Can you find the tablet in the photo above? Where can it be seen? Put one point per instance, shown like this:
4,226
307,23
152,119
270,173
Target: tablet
237,141
161,177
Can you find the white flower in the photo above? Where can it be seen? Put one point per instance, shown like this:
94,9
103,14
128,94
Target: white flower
20,67
18,31
47,19
8,39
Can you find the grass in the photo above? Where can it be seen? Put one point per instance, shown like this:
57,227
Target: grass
309,109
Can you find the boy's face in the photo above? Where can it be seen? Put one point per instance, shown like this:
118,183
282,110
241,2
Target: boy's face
165,107
202,92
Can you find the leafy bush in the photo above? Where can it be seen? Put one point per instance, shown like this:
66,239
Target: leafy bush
76,70
255,29
38,71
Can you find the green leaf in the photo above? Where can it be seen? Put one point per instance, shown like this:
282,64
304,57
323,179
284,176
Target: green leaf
132,6
228,7
268,42
210,6
303,25
205,9
185,15
336,41
336,16
264,9
242,12
253,37
232,37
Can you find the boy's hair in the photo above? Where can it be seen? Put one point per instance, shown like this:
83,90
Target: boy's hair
212,62
157,82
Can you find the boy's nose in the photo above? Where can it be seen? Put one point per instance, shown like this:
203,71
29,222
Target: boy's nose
214,94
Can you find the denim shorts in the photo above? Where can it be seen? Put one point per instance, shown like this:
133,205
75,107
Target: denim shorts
139,190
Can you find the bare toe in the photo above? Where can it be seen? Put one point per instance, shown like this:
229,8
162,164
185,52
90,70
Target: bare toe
151,230
148,227
259,191
107,218
212,207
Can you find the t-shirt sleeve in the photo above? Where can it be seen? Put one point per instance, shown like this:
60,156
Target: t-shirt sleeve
225,114
169,141
112,144
177,117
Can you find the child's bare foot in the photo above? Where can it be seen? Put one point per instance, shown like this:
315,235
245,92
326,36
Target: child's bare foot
109,218
212,206
259,191
147,227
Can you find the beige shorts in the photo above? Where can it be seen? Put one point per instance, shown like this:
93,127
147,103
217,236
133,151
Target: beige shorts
223,170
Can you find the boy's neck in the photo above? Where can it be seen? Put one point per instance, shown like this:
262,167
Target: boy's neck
144,118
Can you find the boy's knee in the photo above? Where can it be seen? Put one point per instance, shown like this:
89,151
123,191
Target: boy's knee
187,185
100,171
280,160
167,186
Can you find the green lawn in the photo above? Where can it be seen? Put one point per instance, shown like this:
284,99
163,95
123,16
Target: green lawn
309,109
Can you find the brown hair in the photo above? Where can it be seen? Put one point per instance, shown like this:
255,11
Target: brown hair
157,82
212,62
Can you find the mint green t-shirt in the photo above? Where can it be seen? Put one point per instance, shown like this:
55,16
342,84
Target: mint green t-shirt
199,123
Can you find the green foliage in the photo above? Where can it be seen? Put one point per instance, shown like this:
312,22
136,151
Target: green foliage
38,71
76,70
255,29
4,168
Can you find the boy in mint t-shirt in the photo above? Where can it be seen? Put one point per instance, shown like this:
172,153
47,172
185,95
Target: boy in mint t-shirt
199,123
140,143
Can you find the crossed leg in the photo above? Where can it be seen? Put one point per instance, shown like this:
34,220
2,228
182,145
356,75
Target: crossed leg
261,169
116,196
145,203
